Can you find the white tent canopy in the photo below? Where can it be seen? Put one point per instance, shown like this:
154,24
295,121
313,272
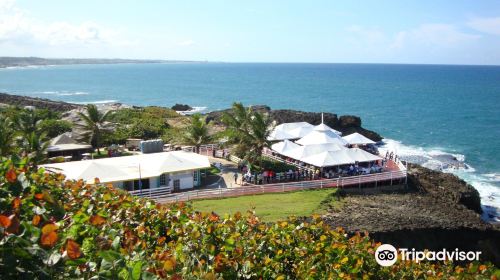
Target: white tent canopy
357,139
362,156
306,151
321,137
331,158
127,168
324,127
293,130
284,147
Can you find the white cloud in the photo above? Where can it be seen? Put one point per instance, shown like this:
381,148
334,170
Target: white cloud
486,25
17,27
433,35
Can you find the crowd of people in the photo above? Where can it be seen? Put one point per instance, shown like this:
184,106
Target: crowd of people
269,176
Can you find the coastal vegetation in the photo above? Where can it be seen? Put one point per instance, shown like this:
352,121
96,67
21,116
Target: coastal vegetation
22,132
197,133
273,207
56,229
93,126
247,130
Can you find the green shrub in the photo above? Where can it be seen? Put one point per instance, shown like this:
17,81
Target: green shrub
56,229
54,127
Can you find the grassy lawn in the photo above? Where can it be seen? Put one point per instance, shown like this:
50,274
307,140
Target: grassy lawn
274,207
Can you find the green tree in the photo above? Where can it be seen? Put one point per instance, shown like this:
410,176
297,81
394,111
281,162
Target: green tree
54,128
7,136
248,130
35,147
93,126
197,133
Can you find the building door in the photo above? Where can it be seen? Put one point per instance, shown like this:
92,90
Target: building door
143,185
177,185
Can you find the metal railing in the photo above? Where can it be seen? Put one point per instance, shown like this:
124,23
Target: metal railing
154,193
352,181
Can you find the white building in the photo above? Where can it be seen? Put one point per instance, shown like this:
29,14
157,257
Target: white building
179,170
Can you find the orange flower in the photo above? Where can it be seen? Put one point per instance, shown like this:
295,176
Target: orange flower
73,249
39,196
11,175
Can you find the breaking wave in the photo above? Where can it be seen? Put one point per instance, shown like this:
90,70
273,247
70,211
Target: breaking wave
488,185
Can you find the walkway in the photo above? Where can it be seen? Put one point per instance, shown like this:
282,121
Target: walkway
389,177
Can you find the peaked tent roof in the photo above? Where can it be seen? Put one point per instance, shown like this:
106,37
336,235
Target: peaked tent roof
324,127
357,139
362,156
305,151
290,130
284,147
321,137
130,167
279,134
331,158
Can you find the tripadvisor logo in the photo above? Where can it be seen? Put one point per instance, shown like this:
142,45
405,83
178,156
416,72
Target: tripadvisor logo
387,255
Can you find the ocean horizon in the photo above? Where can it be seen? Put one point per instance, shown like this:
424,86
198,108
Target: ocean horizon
428,114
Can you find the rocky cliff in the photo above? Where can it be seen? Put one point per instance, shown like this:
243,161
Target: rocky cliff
345,124
435,211
40,103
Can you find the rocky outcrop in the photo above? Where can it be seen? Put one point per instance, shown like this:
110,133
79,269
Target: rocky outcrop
344,124
435,211
40,103
181,107
445,186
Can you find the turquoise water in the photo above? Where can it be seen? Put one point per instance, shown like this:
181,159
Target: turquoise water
423,110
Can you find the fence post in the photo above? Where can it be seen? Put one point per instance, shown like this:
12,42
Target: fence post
220,192
321,184
391,178
359,181
283,187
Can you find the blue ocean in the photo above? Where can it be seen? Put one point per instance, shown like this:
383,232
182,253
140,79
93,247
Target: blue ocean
427,113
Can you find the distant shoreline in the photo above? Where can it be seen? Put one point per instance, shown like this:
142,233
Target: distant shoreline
15,62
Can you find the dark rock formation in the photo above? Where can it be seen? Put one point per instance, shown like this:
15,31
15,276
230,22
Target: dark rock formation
445,186
436,211
39,103
344,124
181,107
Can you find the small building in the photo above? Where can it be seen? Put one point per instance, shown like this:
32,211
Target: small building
178,170
65,146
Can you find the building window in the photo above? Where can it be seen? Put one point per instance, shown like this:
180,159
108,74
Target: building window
163,180
195,176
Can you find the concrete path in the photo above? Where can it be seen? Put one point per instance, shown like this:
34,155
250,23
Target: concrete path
227,173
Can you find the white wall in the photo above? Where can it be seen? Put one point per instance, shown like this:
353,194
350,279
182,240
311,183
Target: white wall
186,179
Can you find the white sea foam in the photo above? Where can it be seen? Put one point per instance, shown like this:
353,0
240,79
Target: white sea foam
438,159
193,111
64,93
98,102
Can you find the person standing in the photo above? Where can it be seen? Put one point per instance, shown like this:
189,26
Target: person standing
236,177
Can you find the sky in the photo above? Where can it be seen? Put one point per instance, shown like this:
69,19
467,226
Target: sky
421,32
